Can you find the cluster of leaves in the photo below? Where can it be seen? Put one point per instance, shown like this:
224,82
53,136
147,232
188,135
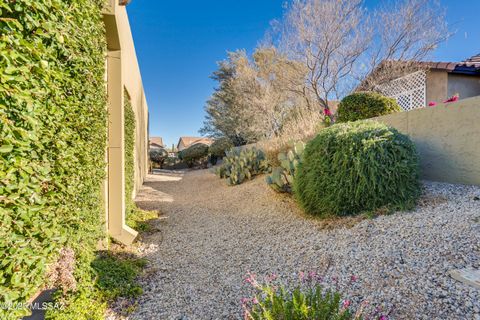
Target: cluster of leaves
129,158
117,274
281,178
313,298
240,165
52,144
219,148
158,156
357,166
365,105
195,154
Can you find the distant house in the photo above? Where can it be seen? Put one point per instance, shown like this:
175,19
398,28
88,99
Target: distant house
156,143
185,142
436,81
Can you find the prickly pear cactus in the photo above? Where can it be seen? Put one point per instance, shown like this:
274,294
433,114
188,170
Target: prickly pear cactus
241,165
281,178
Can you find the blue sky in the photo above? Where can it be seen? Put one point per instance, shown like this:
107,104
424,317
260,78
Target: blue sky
178,43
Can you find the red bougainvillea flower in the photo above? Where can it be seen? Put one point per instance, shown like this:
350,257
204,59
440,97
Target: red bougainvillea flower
432,104
327,112
346,304
353,278
452,99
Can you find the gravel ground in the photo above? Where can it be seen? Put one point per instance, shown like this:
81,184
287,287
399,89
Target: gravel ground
211,235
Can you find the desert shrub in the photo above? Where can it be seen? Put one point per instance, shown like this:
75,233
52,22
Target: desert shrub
365,105
158,156
52,145
240,165
281,178
357,166
307,300
195,154
218,148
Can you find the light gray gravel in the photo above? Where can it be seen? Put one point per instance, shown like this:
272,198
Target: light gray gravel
211,235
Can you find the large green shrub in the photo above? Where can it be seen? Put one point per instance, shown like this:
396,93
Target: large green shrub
240,165
194,154
52,144
365,105
218,149
158,155
357,166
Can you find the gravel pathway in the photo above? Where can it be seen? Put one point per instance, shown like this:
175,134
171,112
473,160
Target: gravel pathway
211,235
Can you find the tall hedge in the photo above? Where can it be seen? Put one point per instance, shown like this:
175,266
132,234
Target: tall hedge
357,166
52,142
129,141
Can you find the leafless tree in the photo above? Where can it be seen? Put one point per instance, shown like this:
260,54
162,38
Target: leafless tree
405,34
342,43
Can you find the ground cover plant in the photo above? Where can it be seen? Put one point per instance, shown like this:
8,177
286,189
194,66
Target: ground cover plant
52,146
365,105
240,165
308,300
358,166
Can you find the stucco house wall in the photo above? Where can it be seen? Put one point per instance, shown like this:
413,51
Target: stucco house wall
466,86
447,138
123,73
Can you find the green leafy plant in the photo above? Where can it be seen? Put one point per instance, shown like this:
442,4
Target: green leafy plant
52,144
129,158
281,178
158,156
365,105
218,149
357,166
195,154
306,301
240,165
117,274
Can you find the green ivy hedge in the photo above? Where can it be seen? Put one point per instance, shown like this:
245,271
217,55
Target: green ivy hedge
129,140
52,144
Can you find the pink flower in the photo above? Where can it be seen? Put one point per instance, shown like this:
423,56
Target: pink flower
301,275
252,280
452,99
255,300
353,278
432,104
346,304
383,317
244,301
327,112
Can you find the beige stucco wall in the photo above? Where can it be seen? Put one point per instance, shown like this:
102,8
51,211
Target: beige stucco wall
466,86
447,138
437,85
123,73
133,84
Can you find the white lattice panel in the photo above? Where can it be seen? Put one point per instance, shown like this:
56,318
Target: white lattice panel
409,91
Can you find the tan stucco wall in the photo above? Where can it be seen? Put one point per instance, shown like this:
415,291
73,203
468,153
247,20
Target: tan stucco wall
133,84
447,138
466,86
123,73
437,85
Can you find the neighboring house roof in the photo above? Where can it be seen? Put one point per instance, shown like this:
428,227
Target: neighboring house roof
188,141
156,142
470,66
